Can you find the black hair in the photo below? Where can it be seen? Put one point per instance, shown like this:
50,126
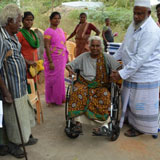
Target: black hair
157,6
28,13
107,19
53,14
83,14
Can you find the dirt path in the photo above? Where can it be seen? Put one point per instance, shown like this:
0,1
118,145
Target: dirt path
53,144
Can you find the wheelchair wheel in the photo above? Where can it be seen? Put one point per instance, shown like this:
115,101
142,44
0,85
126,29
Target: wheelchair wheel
72,136
67,100
68,128
69,132
116,103
115,133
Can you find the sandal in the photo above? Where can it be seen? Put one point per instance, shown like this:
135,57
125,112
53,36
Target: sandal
77,128
97,132
31,141
15,150
3,150
132,133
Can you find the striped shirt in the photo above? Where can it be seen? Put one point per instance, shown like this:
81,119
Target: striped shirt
13,68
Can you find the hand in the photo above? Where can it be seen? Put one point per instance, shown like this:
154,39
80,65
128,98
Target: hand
7,97
32,63
51,66
115,34
115,76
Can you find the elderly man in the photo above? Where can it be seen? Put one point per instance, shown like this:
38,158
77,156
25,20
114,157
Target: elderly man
90,96
13,72
140,54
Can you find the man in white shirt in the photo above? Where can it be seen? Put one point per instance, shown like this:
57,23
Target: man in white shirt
140,54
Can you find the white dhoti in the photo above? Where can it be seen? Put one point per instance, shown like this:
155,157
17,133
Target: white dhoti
140,102
26,117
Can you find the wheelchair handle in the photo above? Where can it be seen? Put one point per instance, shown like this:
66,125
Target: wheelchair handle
77,71
72,76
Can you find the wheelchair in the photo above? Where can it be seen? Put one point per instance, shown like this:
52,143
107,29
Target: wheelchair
113,47
110,131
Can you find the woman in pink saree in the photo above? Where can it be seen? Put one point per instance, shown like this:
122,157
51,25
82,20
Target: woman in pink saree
55,58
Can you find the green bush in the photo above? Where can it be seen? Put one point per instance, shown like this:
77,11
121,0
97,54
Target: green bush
118,16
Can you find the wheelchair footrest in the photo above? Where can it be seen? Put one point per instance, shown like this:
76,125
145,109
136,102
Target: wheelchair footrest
101,131
71,131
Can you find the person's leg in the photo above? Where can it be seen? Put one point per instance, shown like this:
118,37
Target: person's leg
105,46
132,132
102,130
15,150
3,142
22,105
31,141
77,125
142,116
8,147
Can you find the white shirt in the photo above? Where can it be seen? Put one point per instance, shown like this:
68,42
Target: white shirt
140,53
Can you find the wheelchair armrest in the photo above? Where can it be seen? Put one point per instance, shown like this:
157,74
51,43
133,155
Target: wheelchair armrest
77,71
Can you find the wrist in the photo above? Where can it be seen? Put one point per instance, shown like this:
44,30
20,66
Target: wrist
5,92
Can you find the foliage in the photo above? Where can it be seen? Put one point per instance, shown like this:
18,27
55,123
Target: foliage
118,16
120,19
123,3
119,12
5,2
118,3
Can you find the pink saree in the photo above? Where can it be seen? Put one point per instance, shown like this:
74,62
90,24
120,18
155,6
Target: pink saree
54,79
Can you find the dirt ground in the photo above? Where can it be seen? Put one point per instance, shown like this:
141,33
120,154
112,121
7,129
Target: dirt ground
53,144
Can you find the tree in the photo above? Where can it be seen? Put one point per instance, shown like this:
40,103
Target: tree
123,3
18,3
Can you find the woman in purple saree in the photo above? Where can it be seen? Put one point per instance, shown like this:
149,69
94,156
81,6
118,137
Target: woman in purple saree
55,58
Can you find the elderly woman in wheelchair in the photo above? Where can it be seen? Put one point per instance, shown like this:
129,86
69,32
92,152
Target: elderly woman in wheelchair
92,94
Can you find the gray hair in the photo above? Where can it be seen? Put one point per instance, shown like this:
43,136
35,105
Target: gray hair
97,38
10,11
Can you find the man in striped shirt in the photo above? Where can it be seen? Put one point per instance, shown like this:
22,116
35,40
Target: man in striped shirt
13,73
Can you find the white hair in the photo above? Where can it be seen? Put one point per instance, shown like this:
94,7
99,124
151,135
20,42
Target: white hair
10,11
97,38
